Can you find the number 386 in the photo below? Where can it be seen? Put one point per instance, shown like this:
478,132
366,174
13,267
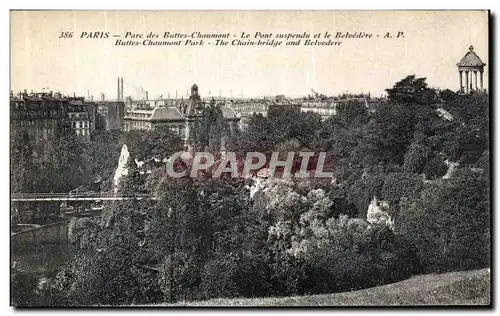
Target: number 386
66,35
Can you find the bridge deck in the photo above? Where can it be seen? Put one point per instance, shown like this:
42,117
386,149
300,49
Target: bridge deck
34,197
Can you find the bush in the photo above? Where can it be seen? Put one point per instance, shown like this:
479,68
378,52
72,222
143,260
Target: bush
180,278
109,274
449,223
219,277
435,168
371,258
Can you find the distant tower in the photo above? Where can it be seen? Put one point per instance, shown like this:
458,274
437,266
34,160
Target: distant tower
120,89
193,103
468,67
194,90
194,100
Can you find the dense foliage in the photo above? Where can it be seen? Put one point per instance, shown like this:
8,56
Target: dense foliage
423,155
58,163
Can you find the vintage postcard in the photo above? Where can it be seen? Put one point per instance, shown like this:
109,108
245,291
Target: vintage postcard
250,158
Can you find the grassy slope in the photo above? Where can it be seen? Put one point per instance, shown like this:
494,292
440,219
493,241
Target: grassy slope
452,288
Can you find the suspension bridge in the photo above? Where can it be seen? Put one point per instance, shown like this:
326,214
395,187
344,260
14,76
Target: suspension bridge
84,196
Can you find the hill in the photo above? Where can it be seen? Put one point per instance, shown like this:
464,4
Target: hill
452,288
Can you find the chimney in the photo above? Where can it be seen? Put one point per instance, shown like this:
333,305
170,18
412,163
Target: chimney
147,96
121,89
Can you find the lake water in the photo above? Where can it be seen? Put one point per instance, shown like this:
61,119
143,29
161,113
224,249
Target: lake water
43,260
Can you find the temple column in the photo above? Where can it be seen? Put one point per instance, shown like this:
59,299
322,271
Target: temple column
481,79
466,81
475,80
461,83
471,81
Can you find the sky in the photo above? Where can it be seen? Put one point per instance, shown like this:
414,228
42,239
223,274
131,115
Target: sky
434,41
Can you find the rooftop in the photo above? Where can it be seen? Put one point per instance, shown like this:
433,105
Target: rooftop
228,113
166,114
471,59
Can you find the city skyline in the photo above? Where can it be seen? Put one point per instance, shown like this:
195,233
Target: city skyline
91,66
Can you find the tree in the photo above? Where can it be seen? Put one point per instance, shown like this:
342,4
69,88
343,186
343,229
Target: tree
288,121
22,169
412,90
109,273
59,163
387,135
71,159
468,135
256,137
417,154
210,128
158,143
363,185
399,186
343,132
105,147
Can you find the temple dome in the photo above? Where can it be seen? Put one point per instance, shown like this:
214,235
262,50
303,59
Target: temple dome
471,59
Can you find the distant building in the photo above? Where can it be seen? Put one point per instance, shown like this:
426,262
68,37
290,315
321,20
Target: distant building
78,116
40,113
319,104
148,119
111,114
323,108
178,115
276,108
249,107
